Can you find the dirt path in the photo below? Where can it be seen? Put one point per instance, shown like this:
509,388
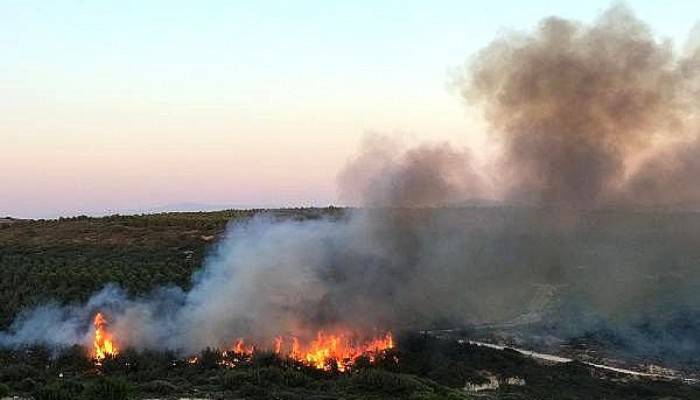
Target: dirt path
558,359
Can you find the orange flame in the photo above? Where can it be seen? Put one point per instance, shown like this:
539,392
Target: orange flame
278,344
240,348
340,350
295,354
103,343
325,352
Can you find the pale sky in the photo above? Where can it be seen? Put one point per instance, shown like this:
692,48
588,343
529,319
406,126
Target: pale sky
115,106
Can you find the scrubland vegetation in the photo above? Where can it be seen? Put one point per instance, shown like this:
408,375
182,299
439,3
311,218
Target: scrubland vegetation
66,260
421,367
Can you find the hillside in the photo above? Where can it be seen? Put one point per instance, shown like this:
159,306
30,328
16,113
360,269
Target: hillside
67,260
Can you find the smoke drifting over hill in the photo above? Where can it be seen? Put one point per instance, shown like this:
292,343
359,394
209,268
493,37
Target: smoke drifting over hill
589,116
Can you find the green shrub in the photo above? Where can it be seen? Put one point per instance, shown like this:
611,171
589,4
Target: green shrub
424,396
270,376
235,379
209,358
159,386
72,386
294,378
4,390
254,391
265,359
54,391
388,382
450,374
450,394
109,389
74,358
27,385
18,373
456,395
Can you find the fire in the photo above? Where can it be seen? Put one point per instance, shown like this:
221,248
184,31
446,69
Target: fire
103,342
241,348
278,344
342,350
325,352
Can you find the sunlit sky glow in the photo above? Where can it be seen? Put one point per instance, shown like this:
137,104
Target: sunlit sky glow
126,106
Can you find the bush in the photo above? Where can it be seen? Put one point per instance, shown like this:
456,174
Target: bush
265,359
27,385
72,386
254,391
74,358
235,379
159,386
270,376
18,373
450,374
388,382
209,358
294,378
109,389
54,391
424,396
4,390
154,361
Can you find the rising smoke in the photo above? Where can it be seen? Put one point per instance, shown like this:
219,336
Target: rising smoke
387,173
575,106
590,117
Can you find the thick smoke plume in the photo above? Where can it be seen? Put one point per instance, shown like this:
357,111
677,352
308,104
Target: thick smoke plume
589,116
574,106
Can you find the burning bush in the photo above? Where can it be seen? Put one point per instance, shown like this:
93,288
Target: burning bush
327,351
103,344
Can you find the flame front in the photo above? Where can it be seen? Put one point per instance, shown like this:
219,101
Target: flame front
103,342
341,351
325,352
335,351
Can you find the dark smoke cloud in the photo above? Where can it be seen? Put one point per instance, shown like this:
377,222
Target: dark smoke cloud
573,103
